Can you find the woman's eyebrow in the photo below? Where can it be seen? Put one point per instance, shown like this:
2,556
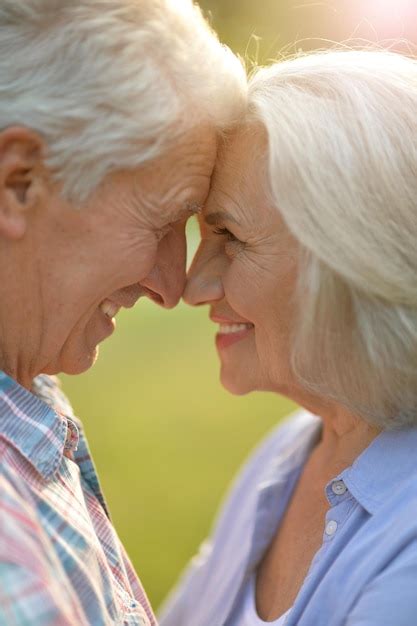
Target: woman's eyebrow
219,216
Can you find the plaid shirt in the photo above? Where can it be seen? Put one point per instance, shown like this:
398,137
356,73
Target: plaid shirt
61,562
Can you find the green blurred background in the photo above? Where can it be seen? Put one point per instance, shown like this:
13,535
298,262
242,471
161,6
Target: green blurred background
165,436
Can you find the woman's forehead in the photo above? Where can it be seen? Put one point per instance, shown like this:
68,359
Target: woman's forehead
242,150
240,169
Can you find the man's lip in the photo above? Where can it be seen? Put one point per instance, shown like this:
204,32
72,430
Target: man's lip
128,296
122,303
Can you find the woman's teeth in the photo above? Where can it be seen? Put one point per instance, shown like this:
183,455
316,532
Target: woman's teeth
227,329
110,309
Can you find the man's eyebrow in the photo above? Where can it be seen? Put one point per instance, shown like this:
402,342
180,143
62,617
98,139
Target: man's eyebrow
219,216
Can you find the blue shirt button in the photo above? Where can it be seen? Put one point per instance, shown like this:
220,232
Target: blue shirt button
339,487
331,528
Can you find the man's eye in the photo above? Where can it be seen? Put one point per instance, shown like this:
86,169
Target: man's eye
225,232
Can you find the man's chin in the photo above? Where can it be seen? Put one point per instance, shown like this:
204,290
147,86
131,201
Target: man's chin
73,364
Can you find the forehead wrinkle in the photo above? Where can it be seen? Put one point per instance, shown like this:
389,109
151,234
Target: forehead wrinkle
218,200
240,179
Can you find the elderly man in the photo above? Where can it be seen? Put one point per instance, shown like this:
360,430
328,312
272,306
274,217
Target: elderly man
109,112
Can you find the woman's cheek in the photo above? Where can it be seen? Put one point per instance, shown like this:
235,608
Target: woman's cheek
239,292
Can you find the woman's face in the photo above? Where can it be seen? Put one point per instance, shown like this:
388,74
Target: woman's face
245,269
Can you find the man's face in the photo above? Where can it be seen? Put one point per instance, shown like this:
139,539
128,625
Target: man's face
128,241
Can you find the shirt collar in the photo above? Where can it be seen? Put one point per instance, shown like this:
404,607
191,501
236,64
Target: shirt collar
383,468
34,425
388,463
279,478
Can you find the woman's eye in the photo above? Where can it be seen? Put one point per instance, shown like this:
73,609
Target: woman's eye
232,245
225,232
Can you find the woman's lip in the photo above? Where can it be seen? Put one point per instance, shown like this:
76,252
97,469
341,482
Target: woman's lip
226,340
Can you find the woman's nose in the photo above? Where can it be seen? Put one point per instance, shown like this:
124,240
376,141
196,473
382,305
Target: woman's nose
204,284
167,277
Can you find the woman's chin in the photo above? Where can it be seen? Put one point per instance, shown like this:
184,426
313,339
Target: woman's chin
234,384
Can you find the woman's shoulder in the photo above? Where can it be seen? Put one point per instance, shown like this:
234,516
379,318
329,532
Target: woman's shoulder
226,554
286,441
280,452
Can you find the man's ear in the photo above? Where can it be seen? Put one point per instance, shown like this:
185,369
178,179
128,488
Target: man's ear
21,169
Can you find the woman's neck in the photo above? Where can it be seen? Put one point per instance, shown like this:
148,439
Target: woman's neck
343,438
342,441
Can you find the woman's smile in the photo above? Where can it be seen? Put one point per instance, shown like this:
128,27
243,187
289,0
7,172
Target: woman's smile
230,331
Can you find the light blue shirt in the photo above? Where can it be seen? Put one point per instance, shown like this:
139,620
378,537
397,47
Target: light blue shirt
365,572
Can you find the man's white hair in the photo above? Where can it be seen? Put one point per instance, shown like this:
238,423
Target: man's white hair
110,84
342,132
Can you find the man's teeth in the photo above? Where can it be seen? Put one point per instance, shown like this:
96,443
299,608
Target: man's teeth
227,329
109,308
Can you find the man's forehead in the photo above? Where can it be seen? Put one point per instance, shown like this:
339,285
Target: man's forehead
200,142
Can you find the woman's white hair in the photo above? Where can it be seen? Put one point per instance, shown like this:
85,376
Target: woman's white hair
110,84
342,133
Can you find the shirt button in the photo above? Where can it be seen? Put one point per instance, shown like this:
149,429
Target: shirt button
331,528
339,487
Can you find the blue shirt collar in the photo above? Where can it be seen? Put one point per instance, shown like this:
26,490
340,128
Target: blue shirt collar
383,468
34,425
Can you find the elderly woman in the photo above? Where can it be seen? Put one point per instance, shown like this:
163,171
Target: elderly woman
308,262
109,113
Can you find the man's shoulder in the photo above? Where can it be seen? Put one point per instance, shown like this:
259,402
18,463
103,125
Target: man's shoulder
18,477
21,530
15,468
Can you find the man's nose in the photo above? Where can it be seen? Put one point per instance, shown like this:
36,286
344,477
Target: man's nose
204,283
167,278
